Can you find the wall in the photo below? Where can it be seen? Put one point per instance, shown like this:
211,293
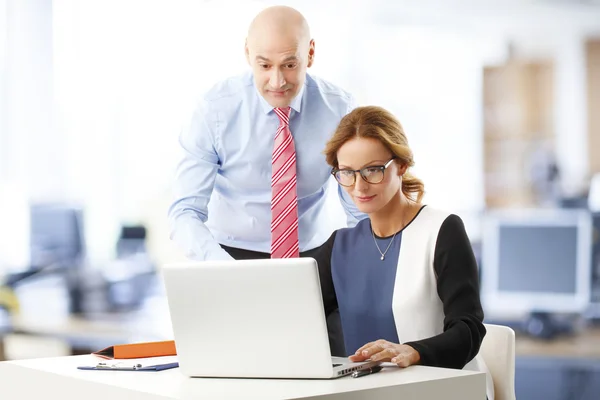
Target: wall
571,113
592,51
29,113
112,86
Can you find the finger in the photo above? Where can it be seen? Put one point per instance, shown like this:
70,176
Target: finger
374,349
402,360
359,356
385,355
364,347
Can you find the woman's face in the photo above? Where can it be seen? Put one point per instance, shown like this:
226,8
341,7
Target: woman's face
370,156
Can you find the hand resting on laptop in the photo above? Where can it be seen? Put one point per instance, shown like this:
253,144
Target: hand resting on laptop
381,350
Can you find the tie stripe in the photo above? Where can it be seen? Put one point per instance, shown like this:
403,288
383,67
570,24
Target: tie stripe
295,249
289,186
291,162
283,116
293,229
284,146
284,199
279,130
286,211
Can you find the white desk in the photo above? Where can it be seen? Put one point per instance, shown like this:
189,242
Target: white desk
59,378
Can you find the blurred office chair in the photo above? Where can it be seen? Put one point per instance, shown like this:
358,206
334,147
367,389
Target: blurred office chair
498,352
132,241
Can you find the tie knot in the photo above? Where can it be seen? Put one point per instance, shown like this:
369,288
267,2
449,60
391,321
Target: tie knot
283,114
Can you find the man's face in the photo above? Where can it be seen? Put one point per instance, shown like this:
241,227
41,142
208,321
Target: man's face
279,66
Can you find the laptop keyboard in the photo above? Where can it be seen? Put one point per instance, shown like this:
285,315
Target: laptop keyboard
336,365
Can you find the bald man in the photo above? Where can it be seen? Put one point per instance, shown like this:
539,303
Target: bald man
254,148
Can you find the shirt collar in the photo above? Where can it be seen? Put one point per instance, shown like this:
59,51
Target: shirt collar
296,103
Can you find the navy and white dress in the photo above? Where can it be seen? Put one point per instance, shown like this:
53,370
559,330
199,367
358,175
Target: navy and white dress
424,293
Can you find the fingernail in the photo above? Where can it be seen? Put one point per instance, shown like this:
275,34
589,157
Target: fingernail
394,360
365,353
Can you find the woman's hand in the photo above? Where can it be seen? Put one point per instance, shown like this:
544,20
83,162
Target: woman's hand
384,351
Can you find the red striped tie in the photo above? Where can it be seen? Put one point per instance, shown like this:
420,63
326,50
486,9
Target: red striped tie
284,200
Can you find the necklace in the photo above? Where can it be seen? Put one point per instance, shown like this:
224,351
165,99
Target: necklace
389,245
391,241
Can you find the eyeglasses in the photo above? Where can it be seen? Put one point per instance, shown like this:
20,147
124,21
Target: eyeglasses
371,174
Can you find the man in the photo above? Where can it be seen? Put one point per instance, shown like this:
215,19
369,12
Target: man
255,149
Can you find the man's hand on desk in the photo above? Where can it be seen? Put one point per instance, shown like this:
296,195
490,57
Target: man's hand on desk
384,351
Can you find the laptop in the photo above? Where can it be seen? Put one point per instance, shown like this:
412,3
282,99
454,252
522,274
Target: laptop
251,319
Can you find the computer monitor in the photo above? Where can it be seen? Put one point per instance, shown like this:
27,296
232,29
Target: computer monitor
536,261
56,235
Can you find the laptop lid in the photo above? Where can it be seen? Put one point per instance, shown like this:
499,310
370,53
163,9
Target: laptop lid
249,318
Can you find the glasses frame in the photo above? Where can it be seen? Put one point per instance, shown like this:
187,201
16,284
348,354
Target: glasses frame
382,168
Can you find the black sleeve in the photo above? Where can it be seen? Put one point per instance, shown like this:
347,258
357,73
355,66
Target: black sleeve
458,287
323,258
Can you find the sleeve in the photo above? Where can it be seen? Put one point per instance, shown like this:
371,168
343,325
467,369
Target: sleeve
353,215
458,288
194,183
323,258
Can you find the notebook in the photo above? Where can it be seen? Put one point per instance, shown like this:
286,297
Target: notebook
138,350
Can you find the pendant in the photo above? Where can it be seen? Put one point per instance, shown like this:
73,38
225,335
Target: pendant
382,257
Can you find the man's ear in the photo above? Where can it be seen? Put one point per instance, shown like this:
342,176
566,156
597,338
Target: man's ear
311,52
246,51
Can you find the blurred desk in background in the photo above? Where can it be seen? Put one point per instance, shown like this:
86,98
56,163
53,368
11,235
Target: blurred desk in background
585,345
564,368
86,333
4,329
45,313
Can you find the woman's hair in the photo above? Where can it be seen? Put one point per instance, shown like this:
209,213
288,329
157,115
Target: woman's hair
378,123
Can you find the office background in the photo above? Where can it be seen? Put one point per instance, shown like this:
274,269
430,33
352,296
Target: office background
500,101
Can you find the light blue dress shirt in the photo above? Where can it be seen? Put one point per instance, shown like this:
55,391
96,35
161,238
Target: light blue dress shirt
223,183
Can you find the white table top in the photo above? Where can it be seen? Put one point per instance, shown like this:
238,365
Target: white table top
50,377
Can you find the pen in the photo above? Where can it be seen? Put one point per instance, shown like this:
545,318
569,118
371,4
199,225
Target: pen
367,371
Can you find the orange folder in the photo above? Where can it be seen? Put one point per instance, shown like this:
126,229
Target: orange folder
138,350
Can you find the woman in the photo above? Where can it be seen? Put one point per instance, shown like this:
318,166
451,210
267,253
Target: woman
405,279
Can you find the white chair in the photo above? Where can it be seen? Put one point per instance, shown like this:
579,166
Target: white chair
498,352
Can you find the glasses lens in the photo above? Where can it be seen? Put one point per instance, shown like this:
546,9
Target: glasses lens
373,175
345,178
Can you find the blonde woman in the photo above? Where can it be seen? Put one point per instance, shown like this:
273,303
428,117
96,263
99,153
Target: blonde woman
405,279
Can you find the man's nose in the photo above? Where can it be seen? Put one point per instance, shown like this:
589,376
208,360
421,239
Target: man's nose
276,80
